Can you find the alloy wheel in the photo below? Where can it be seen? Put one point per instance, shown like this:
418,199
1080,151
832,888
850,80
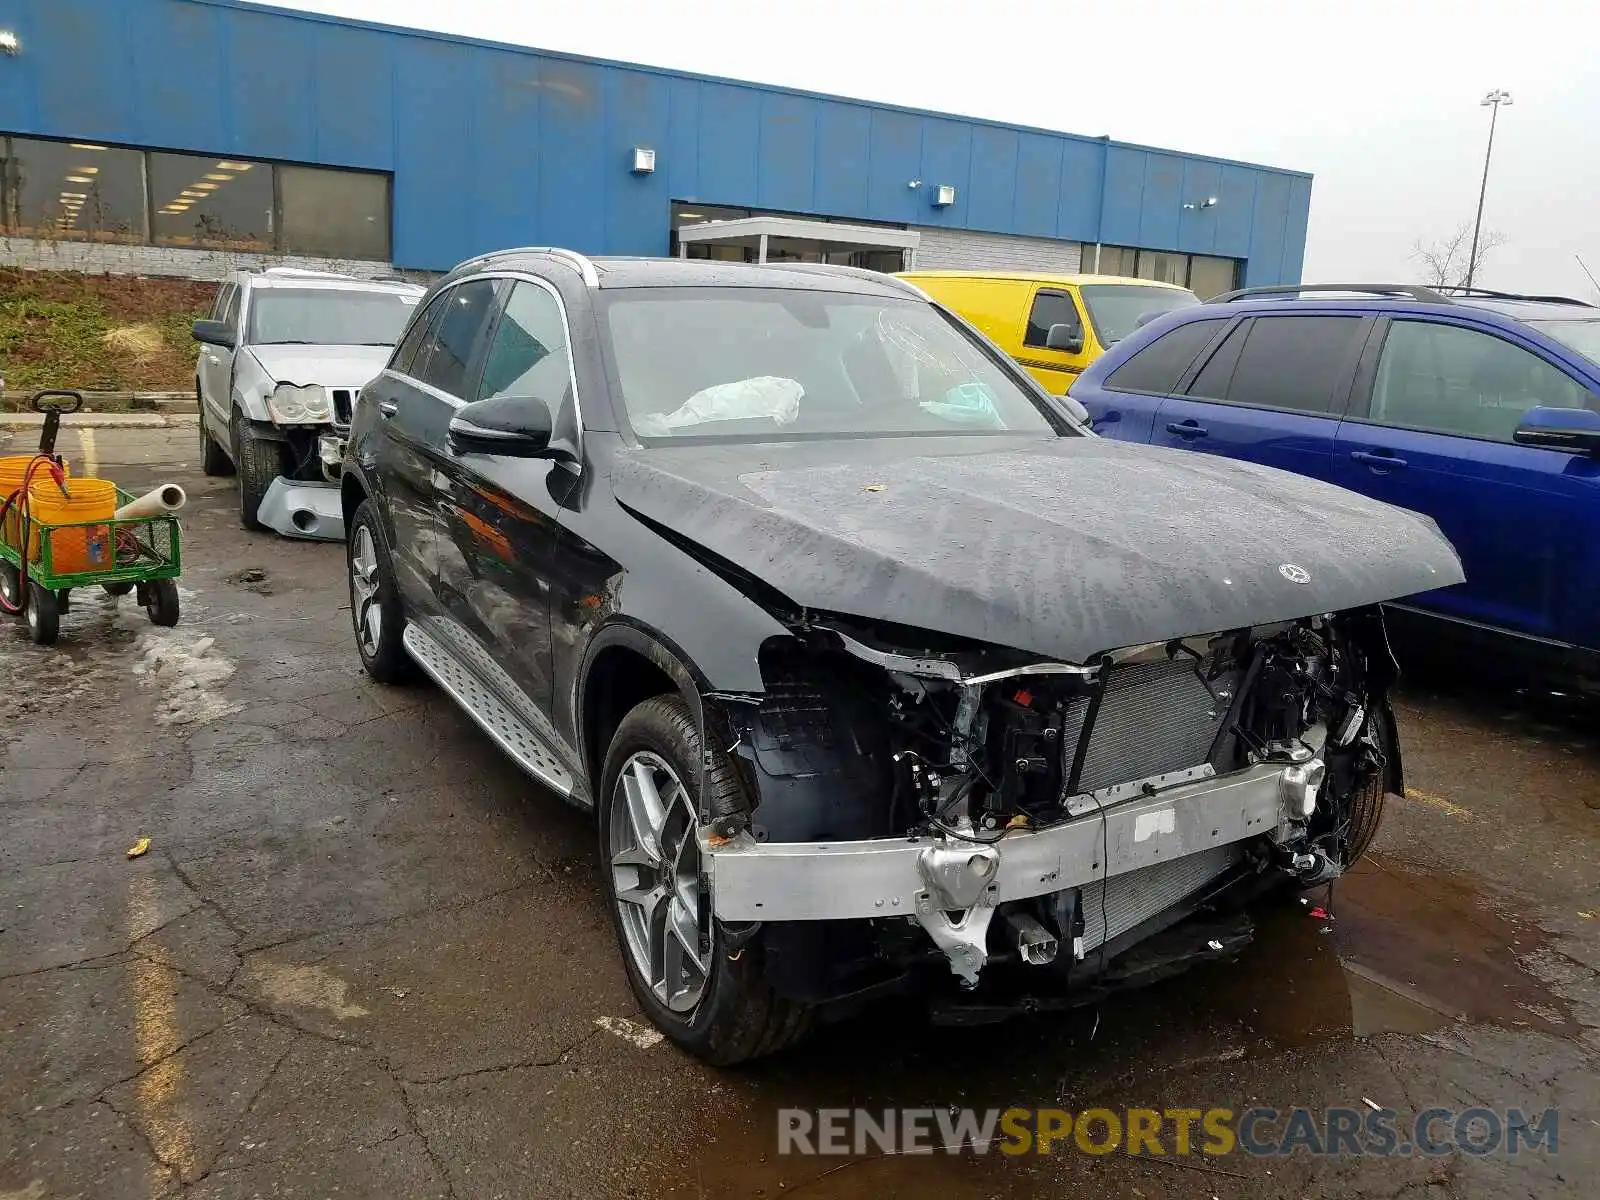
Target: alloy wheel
655,872
367,610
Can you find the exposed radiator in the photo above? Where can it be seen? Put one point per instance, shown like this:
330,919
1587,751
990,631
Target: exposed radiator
1140,895
1154,718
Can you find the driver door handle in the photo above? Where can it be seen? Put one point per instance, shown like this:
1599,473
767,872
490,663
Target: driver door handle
1187,429
388,407
1380,459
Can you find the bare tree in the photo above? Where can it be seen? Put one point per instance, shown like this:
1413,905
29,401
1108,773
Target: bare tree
1447,261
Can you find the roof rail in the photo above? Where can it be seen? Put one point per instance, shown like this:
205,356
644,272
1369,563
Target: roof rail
1415,291
579,263
1487,294
894,281
306,273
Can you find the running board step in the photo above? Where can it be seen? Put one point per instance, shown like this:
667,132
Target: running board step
494,715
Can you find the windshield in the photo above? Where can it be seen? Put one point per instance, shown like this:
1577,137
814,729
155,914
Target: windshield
327,317
758,362
1580,335
1117,309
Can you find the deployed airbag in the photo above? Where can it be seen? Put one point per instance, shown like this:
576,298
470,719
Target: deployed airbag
762,396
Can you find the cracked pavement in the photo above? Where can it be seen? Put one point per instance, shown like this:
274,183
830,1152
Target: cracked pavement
366,957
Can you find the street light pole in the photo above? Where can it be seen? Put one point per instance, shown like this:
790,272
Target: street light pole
1492,101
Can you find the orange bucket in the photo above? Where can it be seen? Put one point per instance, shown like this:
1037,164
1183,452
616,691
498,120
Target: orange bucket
73,551
13,469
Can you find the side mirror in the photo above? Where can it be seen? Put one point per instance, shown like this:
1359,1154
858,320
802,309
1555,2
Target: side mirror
1066,338
1079,413
1575,430
515,426
213,333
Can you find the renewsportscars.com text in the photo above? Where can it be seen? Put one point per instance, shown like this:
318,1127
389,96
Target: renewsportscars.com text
1171,1131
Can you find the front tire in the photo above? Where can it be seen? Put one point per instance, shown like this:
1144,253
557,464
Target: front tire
376,614
259,462
715,1004
44,615
161,602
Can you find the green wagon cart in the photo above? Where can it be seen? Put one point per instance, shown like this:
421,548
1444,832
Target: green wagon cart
139,554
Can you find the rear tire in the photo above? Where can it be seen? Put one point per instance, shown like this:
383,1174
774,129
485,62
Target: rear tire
121,588
719,1006
11,599
259,462
214,460
376,613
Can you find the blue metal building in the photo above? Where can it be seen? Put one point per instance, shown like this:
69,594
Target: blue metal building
190,124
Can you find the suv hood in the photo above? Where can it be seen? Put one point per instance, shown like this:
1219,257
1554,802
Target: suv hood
1063,547
331,366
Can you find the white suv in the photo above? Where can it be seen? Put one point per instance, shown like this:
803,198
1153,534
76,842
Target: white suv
284,354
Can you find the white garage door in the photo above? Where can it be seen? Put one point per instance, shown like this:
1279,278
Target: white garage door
956,249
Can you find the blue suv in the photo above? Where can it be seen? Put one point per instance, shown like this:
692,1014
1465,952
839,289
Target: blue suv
1480,409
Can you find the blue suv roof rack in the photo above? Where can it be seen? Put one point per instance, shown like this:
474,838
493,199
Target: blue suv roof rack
1486,294
1415,291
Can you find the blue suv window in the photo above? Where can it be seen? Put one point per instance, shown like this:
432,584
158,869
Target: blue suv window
1290,362
1157,368
1450,379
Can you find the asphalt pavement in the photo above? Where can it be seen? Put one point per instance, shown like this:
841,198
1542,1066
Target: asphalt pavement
364,956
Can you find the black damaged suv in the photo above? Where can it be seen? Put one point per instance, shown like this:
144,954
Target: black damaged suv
878,671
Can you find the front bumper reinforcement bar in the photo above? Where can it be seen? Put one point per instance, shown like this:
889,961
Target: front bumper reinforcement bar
951,886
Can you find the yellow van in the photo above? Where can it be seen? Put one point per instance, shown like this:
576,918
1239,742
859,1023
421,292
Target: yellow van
1054,325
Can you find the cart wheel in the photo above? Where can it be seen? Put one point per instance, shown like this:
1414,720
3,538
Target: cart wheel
10,588
161,602
64,600
117,589
44,618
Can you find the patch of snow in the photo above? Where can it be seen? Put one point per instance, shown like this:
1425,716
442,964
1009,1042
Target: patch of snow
190,673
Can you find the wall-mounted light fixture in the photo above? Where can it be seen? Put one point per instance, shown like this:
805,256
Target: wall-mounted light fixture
944,196
644,160
1208,202
9,42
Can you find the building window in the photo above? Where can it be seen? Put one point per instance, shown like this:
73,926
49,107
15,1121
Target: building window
215,203
71,190
77,190
1203,275
335,214
1210,277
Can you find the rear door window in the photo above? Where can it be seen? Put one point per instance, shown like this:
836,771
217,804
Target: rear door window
1157,368
1050,308
1294,363
446,358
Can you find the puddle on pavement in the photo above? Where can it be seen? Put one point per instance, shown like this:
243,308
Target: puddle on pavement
1405,952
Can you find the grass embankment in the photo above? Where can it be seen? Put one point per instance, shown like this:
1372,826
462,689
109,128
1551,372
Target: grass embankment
60,329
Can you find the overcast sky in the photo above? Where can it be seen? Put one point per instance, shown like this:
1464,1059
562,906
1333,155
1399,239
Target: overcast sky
1379,99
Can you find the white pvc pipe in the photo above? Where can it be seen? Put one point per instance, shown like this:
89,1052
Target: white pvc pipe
169,497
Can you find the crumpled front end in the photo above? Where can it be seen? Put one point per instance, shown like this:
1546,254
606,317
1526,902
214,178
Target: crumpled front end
962,805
